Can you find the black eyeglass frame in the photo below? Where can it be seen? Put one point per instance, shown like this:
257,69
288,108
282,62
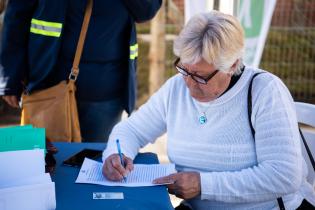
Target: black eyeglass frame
195,77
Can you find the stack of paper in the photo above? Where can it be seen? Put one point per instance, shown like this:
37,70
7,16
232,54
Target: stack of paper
23,182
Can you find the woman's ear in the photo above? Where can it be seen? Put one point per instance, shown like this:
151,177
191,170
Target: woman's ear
235,64
233,67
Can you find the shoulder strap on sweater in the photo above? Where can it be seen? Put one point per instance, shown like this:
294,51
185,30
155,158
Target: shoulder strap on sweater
249,105
249,102
249,110
307,149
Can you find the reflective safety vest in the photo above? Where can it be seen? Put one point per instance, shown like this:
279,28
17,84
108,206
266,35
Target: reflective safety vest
54,29
31,41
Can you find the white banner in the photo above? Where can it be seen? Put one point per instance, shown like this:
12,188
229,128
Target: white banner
193,7
255,16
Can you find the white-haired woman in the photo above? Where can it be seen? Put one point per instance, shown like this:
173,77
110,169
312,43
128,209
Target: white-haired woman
204,110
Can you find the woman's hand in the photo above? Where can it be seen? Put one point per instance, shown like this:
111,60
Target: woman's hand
11,100
184,184
113,170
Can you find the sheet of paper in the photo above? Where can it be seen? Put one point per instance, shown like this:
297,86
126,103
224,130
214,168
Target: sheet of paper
34,197
142,175
19,165
39,179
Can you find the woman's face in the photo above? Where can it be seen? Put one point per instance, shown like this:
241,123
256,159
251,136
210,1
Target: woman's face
214,87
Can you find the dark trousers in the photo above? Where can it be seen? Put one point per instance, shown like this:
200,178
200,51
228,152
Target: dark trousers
98,118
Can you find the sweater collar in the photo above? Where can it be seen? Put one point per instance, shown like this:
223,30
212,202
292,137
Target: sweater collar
231,92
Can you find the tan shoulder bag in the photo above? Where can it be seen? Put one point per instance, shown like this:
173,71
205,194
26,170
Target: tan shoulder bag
55,108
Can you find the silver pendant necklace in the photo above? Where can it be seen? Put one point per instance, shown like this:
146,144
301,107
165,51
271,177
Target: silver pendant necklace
202,116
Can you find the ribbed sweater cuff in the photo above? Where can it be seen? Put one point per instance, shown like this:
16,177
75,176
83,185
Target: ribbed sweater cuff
208,186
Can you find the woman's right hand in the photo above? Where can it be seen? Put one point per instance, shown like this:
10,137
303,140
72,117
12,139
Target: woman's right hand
113,170
11,100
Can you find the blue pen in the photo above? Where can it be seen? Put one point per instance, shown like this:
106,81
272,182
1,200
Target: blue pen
121,157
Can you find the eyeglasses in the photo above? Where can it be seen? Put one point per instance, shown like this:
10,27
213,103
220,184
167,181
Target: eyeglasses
195,77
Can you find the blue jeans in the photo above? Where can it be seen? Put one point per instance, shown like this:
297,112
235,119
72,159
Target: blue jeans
98,118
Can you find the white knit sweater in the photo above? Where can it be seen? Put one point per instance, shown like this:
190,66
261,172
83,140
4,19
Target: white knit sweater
237,172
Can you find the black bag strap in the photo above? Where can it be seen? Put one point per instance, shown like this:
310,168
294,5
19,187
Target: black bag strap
249,110
308,150
249,106
249,103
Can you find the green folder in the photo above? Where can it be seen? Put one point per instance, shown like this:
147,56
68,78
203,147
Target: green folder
21,138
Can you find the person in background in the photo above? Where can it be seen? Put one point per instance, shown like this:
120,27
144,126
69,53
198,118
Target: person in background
38,44
204,111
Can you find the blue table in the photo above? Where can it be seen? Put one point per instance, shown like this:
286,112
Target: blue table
80,196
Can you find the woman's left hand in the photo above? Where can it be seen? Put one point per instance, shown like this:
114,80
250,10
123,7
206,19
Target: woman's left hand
183,185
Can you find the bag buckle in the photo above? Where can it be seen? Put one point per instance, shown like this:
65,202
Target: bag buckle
73,76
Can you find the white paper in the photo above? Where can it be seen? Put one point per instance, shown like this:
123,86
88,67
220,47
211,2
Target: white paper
39,179
142,175
29,197
23,183
19,165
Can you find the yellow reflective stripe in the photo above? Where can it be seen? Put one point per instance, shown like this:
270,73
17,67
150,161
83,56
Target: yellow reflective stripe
46,23
133,51
45,28
134,47
46,33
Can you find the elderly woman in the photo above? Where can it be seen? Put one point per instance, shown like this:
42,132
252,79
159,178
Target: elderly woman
203,109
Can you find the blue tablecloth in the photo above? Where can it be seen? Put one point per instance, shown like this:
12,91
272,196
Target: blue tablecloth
80,196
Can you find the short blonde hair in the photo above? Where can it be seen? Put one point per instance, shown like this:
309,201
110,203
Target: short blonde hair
216,37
